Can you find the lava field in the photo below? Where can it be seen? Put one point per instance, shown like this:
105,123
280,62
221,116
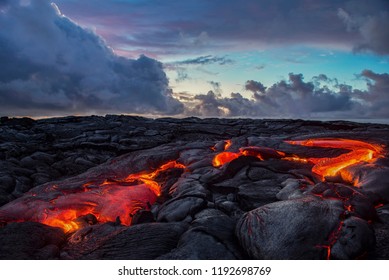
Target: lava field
126,187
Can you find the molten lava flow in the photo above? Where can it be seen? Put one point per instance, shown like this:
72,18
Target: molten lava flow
109,201
359,151
227,145
328,167
262,153
119,199
296,159
224,157
64,220
336,143
148,178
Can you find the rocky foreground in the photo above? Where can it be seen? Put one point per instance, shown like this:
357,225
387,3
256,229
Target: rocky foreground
150,189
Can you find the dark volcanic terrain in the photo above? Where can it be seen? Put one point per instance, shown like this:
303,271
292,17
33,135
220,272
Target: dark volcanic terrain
123,187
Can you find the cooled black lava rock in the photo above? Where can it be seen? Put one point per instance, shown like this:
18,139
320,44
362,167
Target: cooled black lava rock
30,240
143,241
178,209
355,238
292,229
211,236
197,245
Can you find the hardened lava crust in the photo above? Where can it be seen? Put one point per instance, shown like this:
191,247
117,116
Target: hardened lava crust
128,187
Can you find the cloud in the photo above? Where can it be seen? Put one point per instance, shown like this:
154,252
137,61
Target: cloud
260,67
181,67
297,98
255,86
184,96
182,74
370,26
199,26
213,105
216,86
376,96
204,60
51,65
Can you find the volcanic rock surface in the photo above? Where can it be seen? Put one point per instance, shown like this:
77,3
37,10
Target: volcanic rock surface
124,187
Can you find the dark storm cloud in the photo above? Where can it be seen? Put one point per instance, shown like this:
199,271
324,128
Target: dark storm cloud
377,95
297,98
51,65
194,25
369,19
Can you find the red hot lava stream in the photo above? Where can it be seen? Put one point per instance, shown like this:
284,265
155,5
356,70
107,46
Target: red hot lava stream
324,167
359,152
262,153
107,201
113,199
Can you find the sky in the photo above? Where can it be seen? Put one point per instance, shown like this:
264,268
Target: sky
221,58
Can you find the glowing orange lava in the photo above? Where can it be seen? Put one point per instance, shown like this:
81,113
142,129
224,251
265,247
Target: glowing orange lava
112,200
262,153
109,201
224,157
359,151
227,144
148,178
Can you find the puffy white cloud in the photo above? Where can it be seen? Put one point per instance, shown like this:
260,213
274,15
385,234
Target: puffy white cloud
51,65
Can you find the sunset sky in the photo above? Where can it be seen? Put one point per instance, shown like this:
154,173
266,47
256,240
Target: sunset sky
224,58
